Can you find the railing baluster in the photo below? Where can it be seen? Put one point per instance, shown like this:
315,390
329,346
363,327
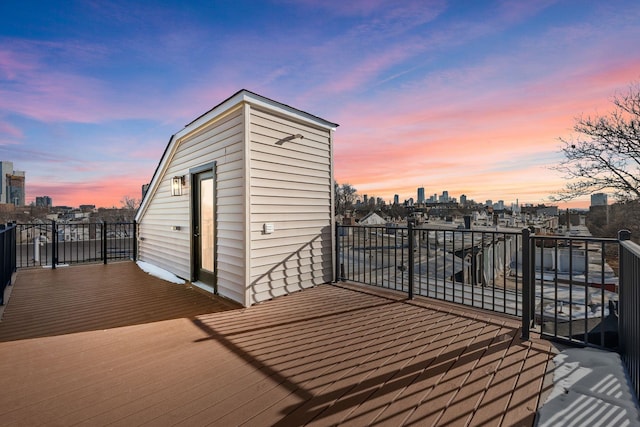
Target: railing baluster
54,245
571,291
526,285
602,295
586,291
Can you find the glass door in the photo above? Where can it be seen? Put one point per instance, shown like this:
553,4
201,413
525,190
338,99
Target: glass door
204,227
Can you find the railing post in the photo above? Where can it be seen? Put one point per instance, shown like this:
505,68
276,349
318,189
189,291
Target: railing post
624,299
135,240
337,254
410,258
54,244
3,262
624,235
14,246
526,284
104,242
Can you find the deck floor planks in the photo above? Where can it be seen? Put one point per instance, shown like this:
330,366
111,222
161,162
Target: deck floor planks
153,353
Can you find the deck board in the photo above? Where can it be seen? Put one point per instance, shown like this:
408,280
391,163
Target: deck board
148,352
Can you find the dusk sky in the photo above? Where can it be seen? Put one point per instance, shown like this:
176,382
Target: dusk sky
465,96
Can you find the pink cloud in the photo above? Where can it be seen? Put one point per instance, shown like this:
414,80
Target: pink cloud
8,129
453,137
47,94
365,71
105,192
416,9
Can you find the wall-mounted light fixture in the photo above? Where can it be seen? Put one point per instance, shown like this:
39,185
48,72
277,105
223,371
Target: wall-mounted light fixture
289,138
177,182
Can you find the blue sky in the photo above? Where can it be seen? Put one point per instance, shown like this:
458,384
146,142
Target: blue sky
464,96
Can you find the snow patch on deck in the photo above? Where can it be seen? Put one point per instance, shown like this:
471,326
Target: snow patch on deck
159,273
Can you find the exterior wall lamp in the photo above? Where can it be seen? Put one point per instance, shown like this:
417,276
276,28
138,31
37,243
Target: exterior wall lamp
177,183
289,138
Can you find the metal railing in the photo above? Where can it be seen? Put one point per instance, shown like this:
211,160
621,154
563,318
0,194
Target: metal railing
477,268
561,286
574,290
55,243
629,316
8,257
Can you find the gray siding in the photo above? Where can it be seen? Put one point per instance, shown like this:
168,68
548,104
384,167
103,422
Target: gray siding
257,182
222,141
290,187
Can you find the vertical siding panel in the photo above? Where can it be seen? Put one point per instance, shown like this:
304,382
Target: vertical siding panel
257,181
334,266
220,141
281,262
247,203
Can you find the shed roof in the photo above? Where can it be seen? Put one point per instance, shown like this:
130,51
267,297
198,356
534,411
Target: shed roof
242,96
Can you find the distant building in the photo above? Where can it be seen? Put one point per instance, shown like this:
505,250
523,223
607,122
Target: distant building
372,218
599,199
44,201
12,185
420,194
396,199
463,199
15,188
6,168
540,210
145,188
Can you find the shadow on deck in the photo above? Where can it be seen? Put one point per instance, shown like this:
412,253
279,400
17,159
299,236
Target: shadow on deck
158,353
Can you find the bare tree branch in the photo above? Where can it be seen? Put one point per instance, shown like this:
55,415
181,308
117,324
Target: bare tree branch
345,197
604,155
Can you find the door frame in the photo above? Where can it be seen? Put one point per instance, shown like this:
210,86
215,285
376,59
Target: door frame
194,207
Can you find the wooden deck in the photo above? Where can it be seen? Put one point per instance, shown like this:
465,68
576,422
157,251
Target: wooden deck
111,345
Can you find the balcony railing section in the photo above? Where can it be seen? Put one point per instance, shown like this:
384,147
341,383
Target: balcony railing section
55,243
574,294
629,322
477,268
563,287
8,257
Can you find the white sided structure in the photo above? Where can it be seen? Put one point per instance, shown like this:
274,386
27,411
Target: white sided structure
241,203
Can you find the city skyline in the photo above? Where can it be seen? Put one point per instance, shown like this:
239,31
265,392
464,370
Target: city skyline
462,199
471,97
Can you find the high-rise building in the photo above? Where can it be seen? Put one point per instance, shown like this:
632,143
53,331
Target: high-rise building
12,185
444,197
44,201
396,199
6,170
463,199
599,199
420,194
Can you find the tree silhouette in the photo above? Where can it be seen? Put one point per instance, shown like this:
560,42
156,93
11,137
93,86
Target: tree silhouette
605,155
